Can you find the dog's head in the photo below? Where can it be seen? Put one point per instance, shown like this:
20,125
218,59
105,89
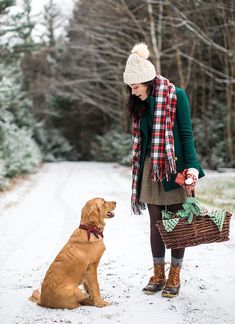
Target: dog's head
96,210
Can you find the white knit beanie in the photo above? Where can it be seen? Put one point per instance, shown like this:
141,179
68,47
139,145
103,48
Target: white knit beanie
138,68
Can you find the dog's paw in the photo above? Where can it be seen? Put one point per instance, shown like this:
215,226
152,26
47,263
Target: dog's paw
101,303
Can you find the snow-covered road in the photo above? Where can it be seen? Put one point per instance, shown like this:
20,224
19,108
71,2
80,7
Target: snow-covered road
38,217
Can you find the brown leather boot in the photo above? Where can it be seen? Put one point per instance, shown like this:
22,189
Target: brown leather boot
156,282
172,286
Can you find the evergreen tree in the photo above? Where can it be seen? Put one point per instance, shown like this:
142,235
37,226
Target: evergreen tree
4,4
19,152
21,27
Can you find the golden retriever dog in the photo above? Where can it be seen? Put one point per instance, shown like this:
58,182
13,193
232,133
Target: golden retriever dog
77,262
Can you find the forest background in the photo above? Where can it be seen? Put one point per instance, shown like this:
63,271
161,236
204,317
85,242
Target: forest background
62,95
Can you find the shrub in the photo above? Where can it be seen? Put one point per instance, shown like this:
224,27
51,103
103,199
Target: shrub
19,152
113,146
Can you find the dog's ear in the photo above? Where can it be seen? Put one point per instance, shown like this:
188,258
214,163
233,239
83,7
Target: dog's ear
95,215
85,217
91,215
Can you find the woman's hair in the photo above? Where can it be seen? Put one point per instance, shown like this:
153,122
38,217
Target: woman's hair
135,105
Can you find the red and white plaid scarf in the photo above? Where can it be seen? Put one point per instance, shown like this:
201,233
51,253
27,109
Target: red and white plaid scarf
162,155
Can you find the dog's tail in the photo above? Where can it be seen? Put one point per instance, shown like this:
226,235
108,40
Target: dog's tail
36,296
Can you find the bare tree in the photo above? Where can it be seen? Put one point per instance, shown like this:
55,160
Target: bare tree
53,19
192,44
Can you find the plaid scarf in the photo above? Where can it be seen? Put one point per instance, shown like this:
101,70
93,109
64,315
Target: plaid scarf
162,156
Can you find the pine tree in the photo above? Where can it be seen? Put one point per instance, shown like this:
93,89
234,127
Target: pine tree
19,153
21,27
4,4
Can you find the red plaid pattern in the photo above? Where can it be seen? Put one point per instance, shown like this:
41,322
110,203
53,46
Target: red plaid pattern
162,156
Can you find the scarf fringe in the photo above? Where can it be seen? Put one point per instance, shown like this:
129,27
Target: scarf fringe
162,157
160,174
137,207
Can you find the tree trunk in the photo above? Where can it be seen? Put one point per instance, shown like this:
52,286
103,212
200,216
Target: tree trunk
156,41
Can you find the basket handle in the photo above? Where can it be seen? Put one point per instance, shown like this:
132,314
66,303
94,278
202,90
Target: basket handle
192,194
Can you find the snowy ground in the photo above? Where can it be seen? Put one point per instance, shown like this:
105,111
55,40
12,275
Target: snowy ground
38,217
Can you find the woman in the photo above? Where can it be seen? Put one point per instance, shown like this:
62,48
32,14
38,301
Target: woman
163,145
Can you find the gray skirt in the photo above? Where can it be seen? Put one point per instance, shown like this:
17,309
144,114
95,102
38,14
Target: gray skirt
152,192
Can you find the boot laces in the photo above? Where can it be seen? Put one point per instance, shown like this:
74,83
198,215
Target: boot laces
159,273
173,276
159,270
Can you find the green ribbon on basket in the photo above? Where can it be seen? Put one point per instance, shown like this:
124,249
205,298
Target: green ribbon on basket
192,207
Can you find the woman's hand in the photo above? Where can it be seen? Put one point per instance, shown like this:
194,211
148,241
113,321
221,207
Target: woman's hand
188,179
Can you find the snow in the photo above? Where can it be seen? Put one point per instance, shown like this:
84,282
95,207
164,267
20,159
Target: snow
37,218
37,6
65,7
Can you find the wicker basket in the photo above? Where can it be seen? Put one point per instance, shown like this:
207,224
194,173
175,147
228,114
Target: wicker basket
201,231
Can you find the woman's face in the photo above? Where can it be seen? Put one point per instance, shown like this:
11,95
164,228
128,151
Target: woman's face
139,90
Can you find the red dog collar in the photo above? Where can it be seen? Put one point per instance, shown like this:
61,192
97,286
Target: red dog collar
97,231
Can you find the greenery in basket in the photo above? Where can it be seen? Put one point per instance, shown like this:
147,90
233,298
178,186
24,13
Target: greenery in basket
192,208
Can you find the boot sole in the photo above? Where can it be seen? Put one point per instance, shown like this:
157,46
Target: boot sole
168,295
149,292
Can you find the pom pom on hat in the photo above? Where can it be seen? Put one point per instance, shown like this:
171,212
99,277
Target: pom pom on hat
141,50
138,68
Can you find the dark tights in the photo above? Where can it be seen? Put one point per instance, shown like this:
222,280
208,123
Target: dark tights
157,245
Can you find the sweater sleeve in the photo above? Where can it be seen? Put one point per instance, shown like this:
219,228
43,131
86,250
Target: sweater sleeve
185,130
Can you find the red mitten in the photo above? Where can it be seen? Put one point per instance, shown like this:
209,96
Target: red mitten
187,179
181,177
